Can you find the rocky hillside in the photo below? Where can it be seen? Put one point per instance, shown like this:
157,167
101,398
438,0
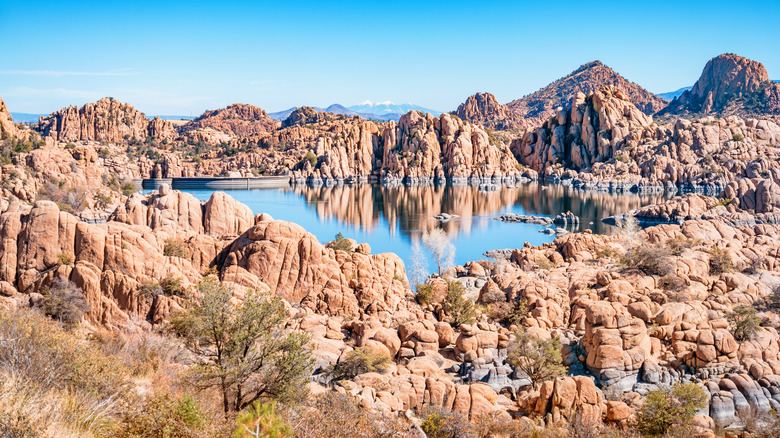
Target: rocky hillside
106,120
534,109
236,119
586,79
603,141
7,128
729,84
484,109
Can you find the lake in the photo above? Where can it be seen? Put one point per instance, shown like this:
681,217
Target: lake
391,218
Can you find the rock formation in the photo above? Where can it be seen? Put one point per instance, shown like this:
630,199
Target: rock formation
7,127
302,116
536,108
729,84
106,120
604,142
483,109
237,119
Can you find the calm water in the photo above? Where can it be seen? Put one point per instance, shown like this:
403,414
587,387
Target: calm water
389,219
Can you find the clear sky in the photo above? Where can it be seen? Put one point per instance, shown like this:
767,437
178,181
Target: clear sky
184,57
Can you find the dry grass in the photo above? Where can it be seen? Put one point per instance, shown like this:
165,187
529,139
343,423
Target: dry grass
53,383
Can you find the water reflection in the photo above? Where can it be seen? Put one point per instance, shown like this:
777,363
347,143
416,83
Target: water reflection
411,209
391,218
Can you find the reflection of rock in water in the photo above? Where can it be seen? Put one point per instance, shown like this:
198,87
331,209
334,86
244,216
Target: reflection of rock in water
412,209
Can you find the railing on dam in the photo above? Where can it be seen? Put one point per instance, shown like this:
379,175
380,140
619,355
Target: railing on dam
217,183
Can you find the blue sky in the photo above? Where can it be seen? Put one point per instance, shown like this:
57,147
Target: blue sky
184,57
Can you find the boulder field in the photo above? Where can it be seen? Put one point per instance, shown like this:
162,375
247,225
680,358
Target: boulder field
624,330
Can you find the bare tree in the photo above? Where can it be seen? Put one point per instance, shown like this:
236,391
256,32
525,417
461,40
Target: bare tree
418,267
439,244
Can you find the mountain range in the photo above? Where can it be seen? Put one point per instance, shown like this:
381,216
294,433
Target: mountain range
729,84
382,111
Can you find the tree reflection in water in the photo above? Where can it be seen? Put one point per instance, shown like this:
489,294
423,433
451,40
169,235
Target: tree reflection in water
391,218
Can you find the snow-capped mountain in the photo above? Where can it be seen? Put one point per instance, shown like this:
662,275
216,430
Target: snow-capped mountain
382,111
389,107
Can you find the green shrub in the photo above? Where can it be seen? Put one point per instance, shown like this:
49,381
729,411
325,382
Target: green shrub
459,309
361,360
341,243
175,248
607,252
744,323
311,158
424,294
65,259
442,423
539,359
722,203
720,261
171,286
261,420
738,137
663,408
506,312
545,264
163,415
128,188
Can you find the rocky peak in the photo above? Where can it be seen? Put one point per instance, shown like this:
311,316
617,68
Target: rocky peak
484,109
302,116
105,120
236,119
6,122
587,79
536,108
729,84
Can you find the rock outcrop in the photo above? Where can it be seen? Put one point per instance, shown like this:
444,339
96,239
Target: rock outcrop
7,127
604,142
729,84
237,119
536,108
483,109
282,257
106,120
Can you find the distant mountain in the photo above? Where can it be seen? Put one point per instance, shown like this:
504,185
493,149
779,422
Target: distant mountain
352,111
729,84
177,117
672,94
26,117
387,107
281,115
536,108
